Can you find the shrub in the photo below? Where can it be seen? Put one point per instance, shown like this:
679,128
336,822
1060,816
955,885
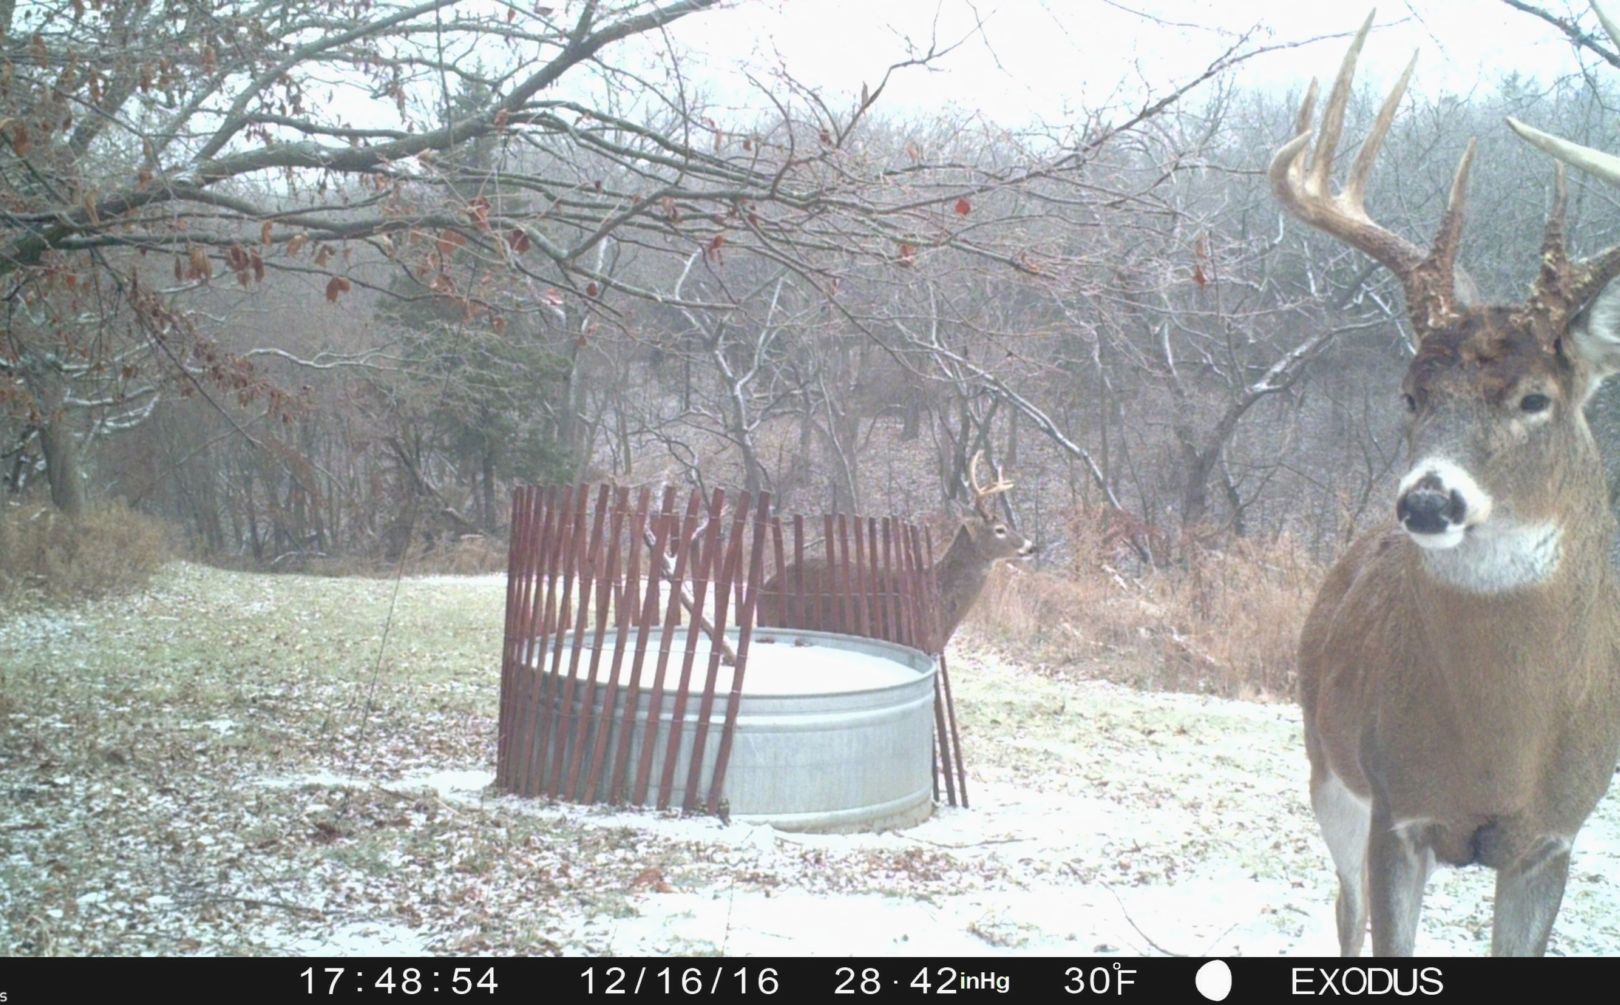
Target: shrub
469,555
49,556
1221,622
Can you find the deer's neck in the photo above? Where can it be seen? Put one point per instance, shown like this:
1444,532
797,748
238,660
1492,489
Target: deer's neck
961,575
1522,615
1503,560
1556,557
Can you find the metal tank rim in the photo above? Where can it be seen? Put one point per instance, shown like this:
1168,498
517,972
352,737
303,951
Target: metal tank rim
913,659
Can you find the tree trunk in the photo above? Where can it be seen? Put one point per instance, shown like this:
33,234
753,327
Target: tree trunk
252,513
1234,502
62,466
1195,470
911,427
489,488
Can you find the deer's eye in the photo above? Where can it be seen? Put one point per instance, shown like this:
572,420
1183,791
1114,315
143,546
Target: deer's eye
1001,532
1411,402
1534,402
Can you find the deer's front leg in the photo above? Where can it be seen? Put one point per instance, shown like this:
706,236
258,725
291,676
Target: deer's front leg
1397,870
1528,893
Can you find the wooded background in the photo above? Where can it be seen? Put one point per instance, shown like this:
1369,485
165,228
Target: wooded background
329,278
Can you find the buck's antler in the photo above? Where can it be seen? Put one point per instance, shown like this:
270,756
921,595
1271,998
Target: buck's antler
1305,189
981,492
1593,162
1562,286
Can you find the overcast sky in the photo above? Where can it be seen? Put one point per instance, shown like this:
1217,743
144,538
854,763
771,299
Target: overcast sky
1043,58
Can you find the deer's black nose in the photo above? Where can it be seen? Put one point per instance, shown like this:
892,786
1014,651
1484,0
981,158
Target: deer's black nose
1430,509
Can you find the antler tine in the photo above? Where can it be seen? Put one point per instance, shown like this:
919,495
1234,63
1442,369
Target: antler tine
977,486
1562,287
1594,162
981,491
1307,193
1307,112
1355,188
1429,280
1327,142
999,486
1610,26
1552,285
1560,284
1449,236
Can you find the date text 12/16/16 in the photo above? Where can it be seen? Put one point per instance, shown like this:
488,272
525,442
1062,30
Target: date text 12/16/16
679,980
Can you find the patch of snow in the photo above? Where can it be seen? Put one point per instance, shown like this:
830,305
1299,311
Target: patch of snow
324,779
42,627
450,784
356,938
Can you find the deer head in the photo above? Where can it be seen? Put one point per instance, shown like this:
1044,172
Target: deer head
1494,394
990,537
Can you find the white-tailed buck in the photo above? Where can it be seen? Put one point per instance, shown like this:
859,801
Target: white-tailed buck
1459,673
981,540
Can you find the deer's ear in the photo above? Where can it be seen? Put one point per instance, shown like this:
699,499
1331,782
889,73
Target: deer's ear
1594,336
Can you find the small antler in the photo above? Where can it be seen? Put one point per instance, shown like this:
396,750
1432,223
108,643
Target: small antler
1305,190
981,492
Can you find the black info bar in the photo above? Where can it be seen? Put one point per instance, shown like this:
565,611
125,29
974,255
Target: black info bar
239,981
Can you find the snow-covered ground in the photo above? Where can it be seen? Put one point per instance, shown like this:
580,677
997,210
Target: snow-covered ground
1180,827
232,764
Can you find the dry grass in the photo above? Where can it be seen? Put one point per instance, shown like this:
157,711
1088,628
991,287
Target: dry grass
466,556
46,556
1217,622
470,555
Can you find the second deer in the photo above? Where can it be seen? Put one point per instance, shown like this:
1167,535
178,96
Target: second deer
980,541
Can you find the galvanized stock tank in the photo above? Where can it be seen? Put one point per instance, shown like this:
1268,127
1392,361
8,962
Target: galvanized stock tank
834,732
